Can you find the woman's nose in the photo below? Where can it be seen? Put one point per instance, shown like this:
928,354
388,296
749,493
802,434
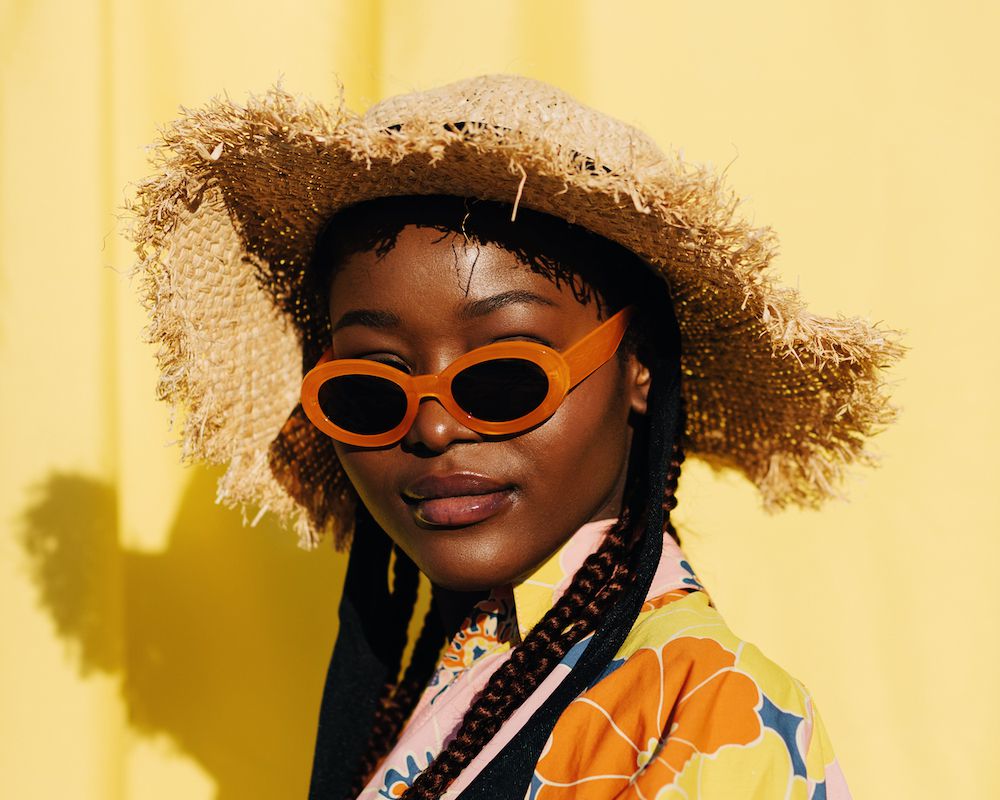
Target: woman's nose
435,429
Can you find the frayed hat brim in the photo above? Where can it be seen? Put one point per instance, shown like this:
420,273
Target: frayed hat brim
225,229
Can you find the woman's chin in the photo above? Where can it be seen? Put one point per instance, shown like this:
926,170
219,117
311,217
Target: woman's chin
466,576
469,574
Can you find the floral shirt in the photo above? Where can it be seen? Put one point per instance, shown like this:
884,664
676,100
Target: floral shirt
685,710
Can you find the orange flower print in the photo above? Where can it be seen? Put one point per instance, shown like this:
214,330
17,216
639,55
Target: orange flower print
490,626
611,738
491,623
395,783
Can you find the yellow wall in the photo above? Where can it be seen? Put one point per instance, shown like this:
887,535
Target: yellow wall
153,648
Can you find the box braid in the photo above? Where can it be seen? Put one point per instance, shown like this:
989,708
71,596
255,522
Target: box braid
596,585
546,635
677,456
398,699
595,588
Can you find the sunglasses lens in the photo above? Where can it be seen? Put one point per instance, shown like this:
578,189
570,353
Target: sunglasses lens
501,389
363,404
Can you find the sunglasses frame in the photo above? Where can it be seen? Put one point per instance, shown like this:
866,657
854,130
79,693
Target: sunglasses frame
564,370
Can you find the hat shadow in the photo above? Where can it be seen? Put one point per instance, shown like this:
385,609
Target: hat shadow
220,641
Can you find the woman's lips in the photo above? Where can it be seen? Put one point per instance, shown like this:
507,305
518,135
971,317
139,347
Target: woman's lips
457,499
465,509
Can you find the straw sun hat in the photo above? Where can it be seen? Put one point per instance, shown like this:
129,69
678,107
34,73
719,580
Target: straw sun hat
225,228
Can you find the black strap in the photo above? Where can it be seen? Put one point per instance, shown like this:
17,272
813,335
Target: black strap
508,776
363,659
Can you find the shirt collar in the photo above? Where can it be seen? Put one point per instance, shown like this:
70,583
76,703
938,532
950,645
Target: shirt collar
541,590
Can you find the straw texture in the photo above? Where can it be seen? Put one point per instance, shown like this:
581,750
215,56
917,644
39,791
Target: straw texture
225,227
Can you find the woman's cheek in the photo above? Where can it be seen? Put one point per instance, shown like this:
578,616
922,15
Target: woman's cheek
555,466
367,473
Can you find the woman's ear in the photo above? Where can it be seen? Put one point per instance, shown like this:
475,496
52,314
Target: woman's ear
637,384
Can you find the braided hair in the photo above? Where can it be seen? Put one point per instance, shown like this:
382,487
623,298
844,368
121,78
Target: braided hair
604,578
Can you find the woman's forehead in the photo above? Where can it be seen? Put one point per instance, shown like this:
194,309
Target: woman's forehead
447,272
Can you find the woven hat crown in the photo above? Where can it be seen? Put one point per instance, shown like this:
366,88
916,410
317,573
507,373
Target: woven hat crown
511,103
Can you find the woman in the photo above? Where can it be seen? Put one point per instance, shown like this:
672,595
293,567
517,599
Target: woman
498,380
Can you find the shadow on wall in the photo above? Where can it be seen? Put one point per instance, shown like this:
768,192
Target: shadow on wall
225,636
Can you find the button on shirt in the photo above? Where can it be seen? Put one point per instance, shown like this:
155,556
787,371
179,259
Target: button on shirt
686,709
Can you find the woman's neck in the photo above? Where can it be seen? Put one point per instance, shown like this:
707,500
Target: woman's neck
454,606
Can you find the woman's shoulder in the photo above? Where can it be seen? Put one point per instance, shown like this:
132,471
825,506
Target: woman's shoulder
688,709
686,626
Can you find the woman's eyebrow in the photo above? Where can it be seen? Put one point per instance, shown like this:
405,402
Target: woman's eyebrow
487,305
369,317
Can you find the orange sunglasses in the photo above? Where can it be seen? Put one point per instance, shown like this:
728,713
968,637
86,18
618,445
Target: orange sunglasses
501,388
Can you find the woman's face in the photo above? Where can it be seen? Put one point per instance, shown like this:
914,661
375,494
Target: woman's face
475,511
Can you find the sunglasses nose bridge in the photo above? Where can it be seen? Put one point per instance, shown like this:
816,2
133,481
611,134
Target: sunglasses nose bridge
427,386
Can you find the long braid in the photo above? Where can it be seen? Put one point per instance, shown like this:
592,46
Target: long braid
670,489
398,701
596,586
418,672
529,663
405,581
601,579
